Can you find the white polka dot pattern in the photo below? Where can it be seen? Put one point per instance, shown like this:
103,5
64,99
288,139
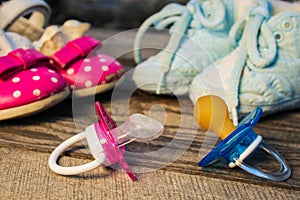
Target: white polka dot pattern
104,68
26,86
70,71
36,78
88,83
36,92
94,70
87,68
22,86
54,80
16,80
17,94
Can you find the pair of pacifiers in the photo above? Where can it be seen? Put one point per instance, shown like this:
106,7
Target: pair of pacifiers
238,143
107,142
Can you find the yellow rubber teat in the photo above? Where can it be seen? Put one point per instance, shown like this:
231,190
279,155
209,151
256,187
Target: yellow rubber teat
211,112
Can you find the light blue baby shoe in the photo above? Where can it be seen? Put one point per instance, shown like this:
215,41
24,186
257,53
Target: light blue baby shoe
263,71
199,36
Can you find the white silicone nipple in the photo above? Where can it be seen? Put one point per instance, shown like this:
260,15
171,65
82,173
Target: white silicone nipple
137,127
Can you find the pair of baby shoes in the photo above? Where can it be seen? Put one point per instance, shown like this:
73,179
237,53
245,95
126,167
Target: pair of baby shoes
249,61
39,66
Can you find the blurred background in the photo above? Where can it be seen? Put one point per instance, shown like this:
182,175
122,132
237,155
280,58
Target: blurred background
120,14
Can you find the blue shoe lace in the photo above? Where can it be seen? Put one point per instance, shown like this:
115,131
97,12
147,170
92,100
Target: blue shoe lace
247,31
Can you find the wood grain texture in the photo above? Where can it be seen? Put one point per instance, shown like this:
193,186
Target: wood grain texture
178,149
28,177
43,132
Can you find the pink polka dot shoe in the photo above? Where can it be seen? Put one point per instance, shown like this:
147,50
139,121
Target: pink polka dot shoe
86,71
28,84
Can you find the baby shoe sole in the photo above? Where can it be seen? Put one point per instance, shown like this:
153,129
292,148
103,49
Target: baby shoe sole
179,87
34,107
270,109
93,90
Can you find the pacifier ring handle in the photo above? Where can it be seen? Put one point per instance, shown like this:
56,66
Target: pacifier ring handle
281,175
73,169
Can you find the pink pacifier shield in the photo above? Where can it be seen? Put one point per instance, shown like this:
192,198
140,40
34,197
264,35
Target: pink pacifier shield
112,151
113,139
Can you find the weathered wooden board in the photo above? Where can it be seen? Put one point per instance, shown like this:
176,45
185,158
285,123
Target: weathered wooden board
24,175
44,131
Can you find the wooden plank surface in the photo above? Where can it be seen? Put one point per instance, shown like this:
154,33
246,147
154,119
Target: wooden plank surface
44,131
33,138
26,176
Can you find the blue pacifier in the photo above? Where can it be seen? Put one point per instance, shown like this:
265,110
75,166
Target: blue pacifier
238,143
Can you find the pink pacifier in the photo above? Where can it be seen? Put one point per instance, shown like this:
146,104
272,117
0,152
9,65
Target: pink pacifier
107,142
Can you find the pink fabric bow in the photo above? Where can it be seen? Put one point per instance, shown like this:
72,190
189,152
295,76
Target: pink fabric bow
20,59
74,50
